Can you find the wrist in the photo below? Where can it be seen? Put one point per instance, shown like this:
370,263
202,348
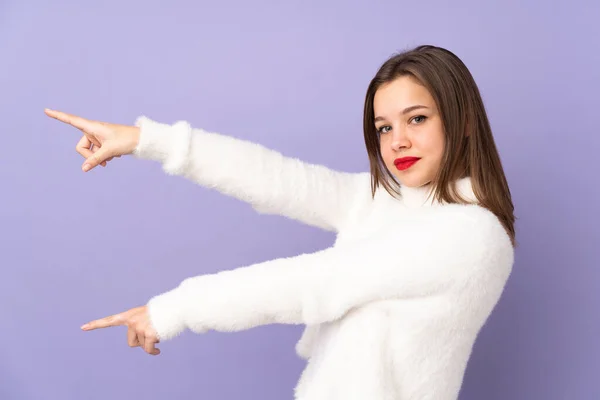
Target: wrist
134,136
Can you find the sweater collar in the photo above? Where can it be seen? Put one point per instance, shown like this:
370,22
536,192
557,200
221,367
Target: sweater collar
422,197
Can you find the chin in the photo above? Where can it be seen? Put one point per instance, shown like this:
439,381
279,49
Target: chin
412,182
413,177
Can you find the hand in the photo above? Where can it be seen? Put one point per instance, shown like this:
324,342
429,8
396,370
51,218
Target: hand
101,141
139,329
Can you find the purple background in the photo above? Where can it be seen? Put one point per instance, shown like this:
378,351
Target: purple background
291,76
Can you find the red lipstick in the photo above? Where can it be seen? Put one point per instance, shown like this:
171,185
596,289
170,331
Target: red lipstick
405,162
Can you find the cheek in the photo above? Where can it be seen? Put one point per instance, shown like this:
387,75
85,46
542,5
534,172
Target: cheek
432,144
386,153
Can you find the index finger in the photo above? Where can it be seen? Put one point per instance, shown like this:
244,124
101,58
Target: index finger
73,120
113,320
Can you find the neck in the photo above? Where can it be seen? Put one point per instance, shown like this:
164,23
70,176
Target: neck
423,195
417,196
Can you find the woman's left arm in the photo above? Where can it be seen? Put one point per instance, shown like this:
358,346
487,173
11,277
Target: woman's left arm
432,254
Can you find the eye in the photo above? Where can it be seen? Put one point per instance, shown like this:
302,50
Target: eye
419,119
380,130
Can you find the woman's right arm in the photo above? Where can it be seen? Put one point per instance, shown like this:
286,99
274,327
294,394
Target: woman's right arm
270,182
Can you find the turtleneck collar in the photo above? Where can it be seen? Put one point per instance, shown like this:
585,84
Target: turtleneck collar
422,197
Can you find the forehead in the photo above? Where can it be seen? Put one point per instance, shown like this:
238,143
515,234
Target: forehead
400,93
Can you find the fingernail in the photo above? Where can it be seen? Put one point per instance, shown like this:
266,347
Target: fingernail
84,326
86,167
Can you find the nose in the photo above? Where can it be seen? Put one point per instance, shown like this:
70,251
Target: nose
399,140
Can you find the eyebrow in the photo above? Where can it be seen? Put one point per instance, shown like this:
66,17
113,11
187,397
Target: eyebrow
405,111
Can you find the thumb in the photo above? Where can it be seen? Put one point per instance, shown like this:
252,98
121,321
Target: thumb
97,158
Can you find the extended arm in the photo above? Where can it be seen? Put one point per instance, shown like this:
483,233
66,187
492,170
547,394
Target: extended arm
269,181
438,253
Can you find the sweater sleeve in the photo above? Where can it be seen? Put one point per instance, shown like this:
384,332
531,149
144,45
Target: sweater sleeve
435,253
270,182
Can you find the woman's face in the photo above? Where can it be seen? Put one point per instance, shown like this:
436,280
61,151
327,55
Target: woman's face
409,125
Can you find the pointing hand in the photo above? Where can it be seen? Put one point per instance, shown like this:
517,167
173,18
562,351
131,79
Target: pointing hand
101,141
139,329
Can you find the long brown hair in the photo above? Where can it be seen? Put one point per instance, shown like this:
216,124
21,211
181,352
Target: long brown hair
470,149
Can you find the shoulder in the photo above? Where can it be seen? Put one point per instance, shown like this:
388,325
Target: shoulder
361,197
471,226
465,216
486,252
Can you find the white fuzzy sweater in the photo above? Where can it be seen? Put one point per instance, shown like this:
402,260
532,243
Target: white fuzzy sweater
392,310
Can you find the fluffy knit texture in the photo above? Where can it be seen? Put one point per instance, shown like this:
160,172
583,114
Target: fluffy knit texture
391,310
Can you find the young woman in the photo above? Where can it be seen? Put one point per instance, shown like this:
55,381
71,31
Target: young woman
393,309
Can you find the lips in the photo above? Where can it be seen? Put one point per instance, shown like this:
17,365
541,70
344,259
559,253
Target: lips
405,162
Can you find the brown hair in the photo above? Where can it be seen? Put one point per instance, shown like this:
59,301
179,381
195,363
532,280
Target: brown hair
470,148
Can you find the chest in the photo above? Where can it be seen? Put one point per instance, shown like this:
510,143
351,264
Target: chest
378,216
